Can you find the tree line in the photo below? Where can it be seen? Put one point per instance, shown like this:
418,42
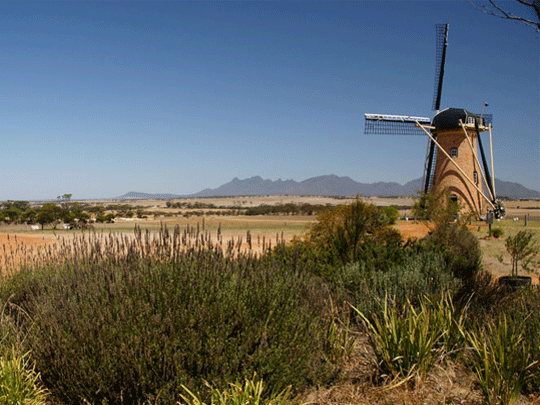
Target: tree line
80,215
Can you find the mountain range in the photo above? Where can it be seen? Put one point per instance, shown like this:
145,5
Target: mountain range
330,185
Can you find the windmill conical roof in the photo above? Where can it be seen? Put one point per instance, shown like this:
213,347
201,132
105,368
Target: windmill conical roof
449,118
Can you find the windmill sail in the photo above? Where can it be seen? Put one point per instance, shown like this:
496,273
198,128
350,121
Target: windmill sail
442,43
440,58
383,124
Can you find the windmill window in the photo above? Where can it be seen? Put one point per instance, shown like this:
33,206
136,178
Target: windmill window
470,120
475,177
454,198
454,152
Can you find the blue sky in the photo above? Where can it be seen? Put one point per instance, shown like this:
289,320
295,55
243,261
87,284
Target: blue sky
101,98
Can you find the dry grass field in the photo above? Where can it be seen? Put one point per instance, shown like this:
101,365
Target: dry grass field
268,229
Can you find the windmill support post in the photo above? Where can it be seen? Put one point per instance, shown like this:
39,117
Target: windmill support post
427,170
491,158
476,157
456,165
486,169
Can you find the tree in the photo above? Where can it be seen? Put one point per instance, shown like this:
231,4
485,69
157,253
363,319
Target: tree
530,12
29,215
73,212
437,209
348,232
522,249
12,210
49,213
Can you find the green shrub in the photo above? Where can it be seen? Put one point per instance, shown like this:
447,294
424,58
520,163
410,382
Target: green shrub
391,213
352,233
497,232
121,319
422,274
522,312
460,248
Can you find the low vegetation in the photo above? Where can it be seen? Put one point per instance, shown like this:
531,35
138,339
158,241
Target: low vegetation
177,317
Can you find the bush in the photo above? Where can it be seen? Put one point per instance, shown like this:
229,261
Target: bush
391,213
134,320
497,232
423,274
20,383
460,249
482,295
351,233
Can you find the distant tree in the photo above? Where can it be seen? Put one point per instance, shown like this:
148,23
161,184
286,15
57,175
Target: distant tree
49,214
22,205
391,214
11,214
529,12
11,211
29,215
73,212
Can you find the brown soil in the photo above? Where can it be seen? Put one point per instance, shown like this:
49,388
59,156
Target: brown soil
410,230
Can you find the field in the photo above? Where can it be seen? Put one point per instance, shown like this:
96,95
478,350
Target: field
269,229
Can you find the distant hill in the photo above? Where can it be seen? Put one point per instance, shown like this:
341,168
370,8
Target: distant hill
333,185
322,185
514,190
330,185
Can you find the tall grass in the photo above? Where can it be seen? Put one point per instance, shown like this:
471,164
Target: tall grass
500,360
19,381
132,319
248,393
408,342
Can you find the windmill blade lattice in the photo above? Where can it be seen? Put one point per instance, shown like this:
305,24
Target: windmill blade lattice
380,124
442,42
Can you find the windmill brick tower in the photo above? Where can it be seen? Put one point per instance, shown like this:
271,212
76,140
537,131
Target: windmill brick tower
452,164
457,168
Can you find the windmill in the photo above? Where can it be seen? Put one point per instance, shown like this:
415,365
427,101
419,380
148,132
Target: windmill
452,161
